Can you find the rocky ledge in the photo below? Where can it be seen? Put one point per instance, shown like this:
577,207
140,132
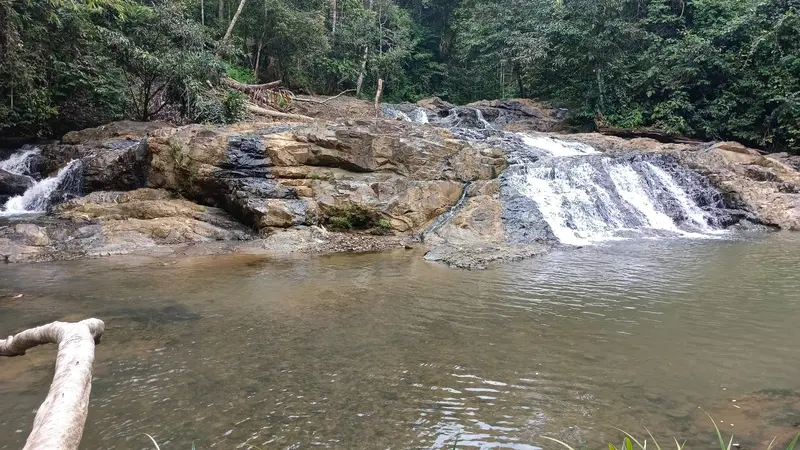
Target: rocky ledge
330,185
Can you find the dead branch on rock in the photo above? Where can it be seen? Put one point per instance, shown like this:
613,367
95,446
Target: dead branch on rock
60,419
277,114
322,102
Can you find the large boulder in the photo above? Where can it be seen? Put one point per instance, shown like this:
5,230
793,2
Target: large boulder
277,176
111,223
766,186
12,184
114,156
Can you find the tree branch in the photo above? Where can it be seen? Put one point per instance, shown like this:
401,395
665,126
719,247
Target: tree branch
322,102
60,419
279,115
249,88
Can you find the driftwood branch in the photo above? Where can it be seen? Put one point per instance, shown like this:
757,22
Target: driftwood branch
277,114
60,419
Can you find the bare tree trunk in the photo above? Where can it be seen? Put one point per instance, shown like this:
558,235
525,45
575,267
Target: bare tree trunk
260,45
221,11
233,21
202,13
333,14
60,419
360,82
378,97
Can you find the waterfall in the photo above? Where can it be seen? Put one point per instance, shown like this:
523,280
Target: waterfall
21,162
583,197
444,218
566,191
42,193
484,123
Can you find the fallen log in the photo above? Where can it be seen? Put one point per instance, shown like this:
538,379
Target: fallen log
648,133
60,419
277,114
250,88
322,102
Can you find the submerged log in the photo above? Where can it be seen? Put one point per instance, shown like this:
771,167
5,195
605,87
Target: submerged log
60,419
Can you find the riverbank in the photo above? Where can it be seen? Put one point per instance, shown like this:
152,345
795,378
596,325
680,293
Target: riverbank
477,185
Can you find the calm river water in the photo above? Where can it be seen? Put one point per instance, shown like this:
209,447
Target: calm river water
390,351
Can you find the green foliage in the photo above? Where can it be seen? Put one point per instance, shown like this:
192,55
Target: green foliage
714,69
241,74
353,216
706,68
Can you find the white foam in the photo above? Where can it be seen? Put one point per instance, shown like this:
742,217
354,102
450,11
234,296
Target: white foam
20,162
629,187
557,147
37,197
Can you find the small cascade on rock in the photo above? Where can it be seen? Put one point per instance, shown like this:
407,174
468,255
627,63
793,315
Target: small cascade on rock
571,193
21,162
405,112
444,218
484,123
67,182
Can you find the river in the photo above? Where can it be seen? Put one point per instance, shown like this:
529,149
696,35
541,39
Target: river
389,351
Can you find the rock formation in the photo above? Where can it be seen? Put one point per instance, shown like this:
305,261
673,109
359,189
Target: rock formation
286,186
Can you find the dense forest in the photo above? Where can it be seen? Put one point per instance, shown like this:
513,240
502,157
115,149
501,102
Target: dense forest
712,69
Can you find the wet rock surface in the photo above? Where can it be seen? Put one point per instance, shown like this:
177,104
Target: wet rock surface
446,185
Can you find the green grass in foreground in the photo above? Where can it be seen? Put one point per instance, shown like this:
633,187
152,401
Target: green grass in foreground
628,442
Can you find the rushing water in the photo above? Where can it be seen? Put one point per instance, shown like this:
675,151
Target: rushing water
390,351
66,182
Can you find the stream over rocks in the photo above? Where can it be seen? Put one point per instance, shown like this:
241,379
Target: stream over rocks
476,185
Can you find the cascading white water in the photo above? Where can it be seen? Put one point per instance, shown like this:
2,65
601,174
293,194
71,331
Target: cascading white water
485,123
38,197
586,197
557,147
20,162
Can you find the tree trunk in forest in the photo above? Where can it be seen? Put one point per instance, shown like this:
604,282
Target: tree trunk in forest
333,14
520,85
258,57
360,82
233,22
378,98
202,13
60,419
221,11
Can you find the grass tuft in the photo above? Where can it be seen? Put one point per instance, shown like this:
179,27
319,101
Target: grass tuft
629,440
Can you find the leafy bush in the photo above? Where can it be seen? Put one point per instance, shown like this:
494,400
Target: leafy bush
354,217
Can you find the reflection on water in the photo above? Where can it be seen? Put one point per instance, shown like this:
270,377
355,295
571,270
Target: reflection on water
390,351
